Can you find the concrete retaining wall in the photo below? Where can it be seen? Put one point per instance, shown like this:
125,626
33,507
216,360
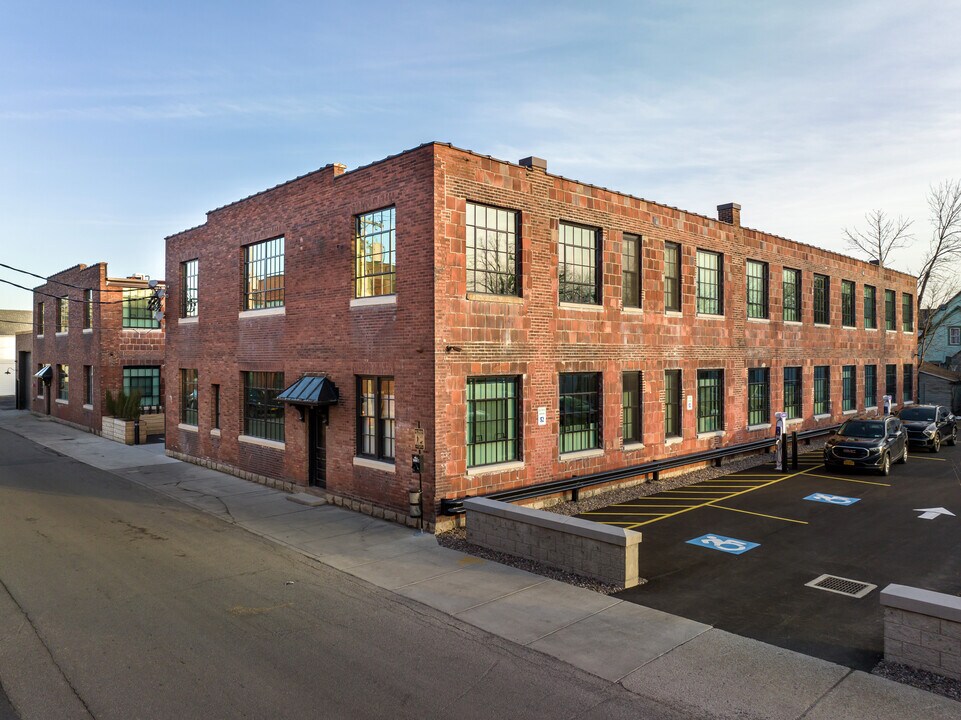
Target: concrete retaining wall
922,629
599,551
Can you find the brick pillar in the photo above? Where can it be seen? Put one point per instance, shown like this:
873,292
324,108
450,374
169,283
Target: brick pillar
729,213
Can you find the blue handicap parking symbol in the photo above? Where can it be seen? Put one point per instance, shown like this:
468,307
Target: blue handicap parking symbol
832,499
724,544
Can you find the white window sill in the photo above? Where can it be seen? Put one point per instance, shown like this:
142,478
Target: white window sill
40,397
274,444
907,332
870,407
583,307
712,434
632,446
760,321
192,320
633,310
490,297
822,325
88,331
908,402
138,331
61,402
185,426
378,300
262,312
61,334
375,464
673,440
794,421
709,316
849,327
496,468
822,417
87,407
215,432
798,323
40,336
893,332
871,329
850,412
762,426
674,313
582,454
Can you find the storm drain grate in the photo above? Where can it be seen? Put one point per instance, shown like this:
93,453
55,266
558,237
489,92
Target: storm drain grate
842,586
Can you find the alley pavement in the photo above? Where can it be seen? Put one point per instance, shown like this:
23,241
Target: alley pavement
663,657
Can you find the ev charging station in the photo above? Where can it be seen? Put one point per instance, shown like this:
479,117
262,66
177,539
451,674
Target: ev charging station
887,404
780,429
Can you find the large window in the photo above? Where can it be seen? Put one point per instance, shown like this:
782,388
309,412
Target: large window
578,257
147,381
631,394
907,312
847,303
710,283
39,318
870,307
87,309
492,420
891,382
375,254
710,400
672,277
889,310
63,382
757,289
849,398
954,335
580,411
822,300
188,396
137,312
63,314
792,392
870,386
492,250
791,288
375,418
758,396
908,383
264,274
631,255
189,276
263,413
672,403
822,390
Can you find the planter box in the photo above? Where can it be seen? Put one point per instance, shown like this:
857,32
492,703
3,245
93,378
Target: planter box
122,430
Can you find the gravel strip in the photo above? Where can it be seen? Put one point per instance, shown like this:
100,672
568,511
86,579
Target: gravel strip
920,679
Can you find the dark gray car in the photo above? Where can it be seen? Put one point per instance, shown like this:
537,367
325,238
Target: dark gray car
929,425
872,443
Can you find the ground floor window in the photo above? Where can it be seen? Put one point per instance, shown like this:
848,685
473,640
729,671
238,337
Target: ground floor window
822,390
146,380
63,382
870,385
908,383
632,384
492,420
792,392
188,396
263,414
849,399
891,381
215,406
710,400
375,420
672,403
758,396
580,411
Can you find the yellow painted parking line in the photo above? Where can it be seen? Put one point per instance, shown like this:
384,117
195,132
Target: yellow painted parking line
748,512
646,505
852,480
623,514
724,485
768,475
695,489
922,457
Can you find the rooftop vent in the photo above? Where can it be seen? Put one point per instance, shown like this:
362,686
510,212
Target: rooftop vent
534,162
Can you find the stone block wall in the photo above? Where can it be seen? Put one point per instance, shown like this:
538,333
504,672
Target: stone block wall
922,629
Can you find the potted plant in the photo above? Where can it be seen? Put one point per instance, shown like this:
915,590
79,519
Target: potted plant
123,417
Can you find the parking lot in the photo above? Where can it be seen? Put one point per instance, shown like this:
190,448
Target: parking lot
736,552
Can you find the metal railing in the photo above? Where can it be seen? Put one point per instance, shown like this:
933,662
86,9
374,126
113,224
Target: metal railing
455,506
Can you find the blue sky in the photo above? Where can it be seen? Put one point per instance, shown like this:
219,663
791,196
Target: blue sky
121,123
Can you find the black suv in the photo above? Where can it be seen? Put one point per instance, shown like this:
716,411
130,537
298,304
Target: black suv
867,443
929,425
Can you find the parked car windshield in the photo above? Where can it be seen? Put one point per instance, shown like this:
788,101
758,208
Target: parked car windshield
862,429
910,414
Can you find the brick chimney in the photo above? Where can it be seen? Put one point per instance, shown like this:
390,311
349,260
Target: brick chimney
729,213
534,162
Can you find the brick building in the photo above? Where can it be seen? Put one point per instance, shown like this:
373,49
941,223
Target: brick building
531,326
94,333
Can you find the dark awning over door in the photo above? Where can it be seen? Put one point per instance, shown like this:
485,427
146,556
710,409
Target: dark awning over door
45,373
311,390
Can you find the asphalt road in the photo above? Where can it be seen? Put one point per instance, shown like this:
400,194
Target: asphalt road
761,594
116,603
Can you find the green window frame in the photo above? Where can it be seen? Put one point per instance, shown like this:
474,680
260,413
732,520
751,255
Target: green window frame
710,283
492,250
579,262
137,310
849,398
263,414
847,303
870,307
189,279
579,397
870,386
758,396
891,381
632,388
376,418
710,400
146,380
822,299
793,398
672,403
822,390
907,312
890,321
189,390
631,254
264,274
757,289
907,383
791,291
672,277
493,429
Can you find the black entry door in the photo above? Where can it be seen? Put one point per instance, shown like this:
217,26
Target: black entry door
318,447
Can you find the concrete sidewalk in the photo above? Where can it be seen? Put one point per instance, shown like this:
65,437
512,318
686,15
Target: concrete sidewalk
663,657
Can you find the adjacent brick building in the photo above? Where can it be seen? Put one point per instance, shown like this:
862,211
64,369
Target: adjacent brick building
94,333
526,326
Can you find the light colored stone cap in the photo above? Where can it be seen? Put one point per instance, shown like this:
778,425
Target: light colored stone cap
924,602
553,521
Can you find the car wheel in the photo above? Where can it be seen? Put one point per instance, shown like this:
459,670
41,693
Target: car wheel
885,465
936,443
904,456
953,440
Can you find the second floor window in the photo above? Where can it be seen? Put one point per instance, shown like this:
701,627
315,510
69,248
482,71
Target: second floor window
492,257
847,303
492,420
63,314
189,275
87,309
375,254
188,396
954,335
822,390
672,277
757,289
791,289
578,263
580,411
889,310
870,307
631,271
137,312
907,312
264,274
822,300
792,392
710,283
39,318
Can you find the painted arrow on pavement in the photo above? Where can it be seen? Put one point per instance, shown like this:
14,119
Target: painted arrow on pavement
931,513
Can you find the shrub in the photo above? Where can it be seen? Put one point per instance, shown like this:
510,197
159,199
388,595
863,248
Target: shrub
123,406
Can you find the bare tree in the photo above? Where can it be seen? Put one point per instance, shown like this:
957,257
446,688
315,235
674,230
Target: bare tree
880,236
